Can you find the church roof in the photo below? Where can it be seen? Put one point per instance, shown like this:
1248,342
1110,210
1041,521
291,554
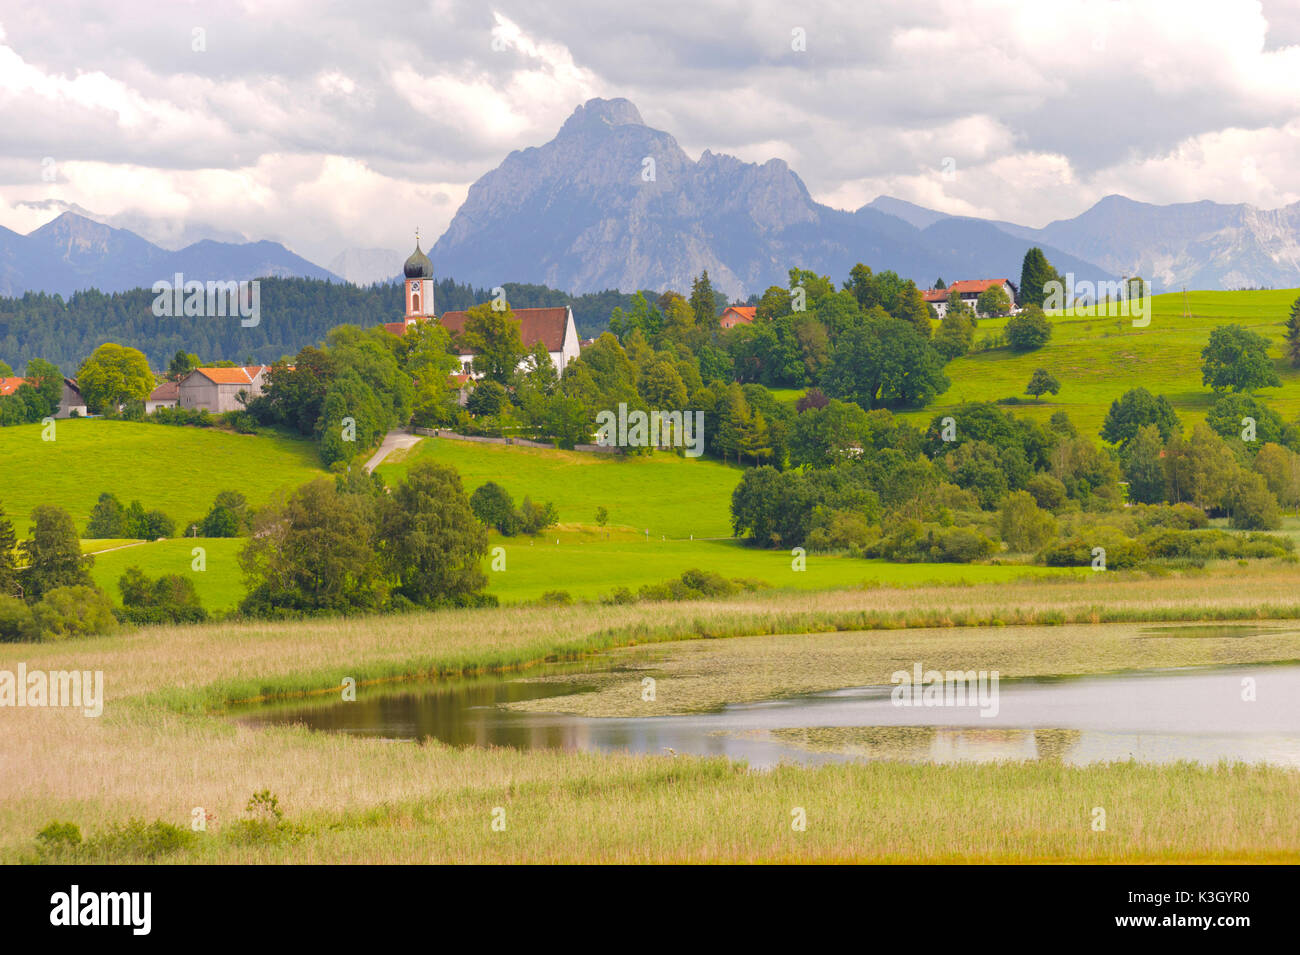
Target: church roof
418,265
545,325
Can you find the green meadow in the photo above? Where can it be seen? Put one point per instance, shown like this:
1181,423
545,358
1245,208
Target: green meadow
176,470
665,494
1097,358
588,565
219,585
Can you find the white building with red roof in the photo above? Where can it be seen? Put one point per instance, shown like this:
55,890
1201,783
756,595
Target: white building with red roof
969,290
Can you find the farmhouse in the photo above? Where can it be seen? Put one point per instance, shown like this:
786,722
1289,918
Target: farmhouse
219,389
71,401
969,290
166,395
552,327
734,315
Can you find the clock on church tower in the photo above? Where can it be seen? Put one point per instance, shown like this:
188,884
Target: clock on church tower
418,271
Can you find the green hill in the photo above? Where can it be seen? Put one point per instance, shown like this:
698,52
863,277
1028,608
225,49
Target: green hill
177,470
662,493
1098,358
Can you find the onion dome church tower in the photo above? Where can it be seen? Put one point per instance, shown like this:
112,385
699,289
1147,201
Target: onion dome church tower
418,271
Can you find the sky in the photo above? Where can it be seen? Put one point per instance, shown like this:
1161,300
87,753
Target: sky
329,126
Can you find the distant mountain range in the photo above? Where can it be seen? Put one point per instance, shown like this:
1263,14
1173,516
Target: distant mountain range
611,203
73,252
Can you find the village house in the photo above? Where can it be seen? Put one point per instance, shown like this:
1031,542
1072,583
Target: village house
219,389
70,402
554,327
166,395
969,290
734,315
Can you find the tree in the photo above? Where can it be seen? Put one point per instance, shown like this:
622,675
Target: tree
114,375
47,379
52,554
430,540
913,309
703,302
993,301
863,286
493,505
8,558
1250,504
182,364
1228,419
312,553
1035,273
1133,409
1237,358
1028,329
1293,335
1142,466
1042,383
939,283
956,333
1024,526
1280,468
107,519
1199,469
885,363
494,338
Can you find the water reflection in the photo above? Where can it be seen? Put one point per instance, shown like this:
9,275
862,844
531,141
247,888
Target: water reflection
1160,716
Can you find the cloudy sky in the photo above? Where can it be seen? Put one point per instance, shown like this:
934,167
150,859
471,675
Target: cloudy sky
334,125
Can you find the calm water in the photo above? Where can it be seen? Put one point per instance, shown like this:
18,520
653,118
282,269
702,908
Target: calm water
1156,716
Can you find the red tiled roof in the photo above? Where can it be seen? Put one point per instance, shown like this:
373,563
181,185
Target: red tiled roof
9,385
936,294
233,376
395,328
167,391
545,325
743,312
967,286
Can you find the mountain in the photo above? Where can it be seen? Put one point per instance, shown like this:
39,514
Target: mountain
1201,245
613,203
73,252
367,266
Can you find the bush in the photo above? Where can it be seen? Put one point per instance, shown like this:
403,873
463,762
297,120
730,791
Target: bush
1028,330
17,624
78,611
556,598
197,417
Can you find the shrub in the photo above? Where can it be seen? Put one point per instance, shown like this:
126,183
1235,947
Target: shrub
1027,330
77,611
16,621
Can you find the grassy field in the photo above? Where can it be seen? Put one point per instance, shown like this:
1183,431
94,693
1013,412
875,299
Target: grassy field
1096,359
220,585
164,745
662,493
590,564
177,470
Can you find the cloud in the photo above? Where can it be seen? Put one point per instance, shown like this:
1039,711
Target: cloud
328,125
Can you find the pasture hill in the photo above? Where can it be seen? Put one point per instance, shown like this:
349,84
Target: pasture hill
1097,358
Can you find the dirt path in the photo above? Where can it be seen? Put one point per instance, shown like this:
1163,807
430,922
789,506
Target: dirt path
393,441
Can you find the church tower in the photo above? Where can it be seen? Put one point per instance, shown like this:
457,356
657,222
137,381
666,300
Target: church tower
418,271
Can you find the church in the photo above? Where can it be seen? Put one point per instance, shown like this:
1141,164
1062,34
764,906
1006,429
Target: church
553,327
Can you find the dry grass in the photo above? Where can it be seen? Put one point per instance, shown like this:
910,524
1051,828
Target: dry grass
158,751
